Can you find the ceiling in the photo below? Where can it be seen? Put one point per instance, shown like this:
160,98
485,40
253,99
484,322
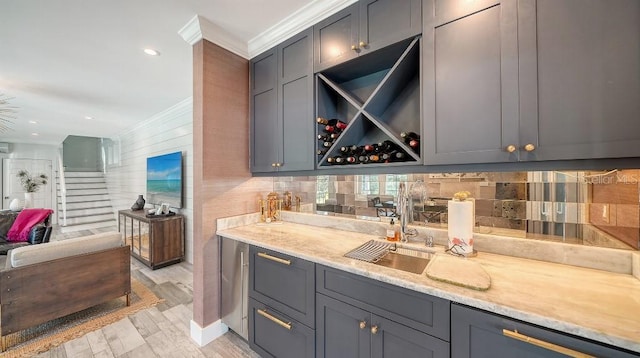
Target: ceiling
77,67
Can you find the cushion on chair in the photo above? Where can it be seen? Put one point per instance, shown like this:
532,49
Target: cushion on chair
6,220
34,254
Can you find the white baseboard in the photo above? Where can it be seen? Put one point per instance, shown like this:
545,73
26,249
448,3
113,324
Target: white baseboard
206,335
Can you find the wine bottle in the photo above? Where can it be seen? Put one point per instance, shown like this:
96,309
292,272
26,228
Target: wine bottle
352,160
341,160
364,159
395,156
324,137
387,146
327,144
322,151
332,122
415,144
409,136
374,158
334,136
371,148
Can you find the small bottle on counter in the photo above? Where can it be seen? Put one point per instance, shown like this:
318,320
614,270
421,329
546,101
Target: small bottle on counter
393,233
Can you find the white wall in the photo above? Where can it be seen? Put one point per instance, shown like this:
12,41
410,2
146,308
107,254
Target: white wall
35,151
166,132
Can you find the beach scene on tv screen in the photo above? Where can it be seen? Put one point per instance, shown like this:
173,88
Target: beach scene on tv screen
164,179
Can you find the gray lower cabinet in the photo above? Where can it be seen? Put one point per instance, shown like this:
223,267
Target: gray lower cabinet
363,27
360,317
274,334
282,107
347,331
281,304
480,334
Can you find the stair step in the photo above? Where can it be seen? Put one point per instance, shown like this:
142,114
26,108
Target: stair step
83,175
84,180
75,186
74,192
86,204
72,213
87,219
82,198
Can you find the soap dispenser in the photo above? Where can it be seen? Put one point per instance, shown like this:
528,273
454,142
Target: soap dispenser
393,232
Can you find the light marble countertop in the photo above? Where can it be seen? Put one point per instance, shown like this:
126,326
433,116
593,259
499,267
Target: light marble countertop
599,305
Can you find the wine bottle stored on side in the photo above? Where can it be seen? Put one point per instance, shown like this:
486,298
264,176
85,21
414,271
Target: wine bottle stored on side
415,144
327,144
324,137
409,136
332,122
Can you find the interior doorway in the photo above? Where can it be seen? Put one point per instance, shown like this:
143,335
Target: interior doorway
12,189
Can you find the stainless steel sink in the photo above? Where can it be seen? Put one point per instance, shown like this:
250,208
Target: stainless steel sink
405,260
393,255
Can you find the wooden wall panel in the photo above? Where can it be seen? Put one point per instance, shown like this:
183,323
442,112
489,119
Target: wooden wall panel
222,184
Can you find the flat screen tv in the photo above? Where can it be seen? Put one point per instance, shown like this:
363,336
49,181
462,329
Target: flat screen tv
164,179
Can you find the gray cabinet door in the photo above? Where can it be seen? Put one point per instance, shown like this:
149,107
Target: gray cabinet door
334,38
339,332
295,104
392,340
266,134
479,334
580,78
470,81
273,334
384,22
283,282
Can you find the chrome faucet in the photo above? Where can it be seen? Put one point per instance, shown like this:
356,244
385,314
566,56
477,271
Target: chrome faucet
404,210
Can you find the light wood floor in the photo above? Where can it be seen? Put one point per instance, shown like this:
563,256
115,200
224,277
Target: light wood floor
161,331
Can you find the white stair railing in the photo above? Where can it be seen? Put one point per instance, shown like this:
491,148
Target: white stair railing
63,188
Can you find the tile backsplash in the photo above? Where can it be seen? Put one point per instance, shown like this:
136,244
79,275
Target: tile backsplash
591,208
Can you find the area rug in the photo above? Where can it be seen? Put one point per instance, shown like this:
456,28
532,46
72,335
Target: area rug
44,337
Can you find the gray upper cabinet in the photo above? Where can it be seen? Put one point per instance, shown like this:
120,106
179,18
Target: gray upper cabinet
363,27
470,86
530,81
265,138
282,107
579,78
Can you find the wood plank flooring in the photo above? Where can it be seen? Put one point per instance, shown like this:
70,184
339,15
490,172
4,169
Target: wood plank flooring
160,331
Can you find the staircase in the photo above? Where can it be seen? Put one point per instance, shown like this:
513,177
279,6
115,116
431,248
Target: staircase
88,204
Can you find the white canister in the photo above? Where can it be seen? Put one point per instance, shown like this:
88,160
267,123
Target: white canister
461,218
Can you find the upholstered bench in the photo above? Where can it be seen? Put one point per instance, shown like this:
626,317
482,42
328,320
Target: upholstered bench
43,282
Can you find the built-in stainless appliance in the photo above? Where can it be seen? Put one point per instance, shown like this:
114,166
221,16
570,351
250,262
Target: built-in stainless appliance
235,285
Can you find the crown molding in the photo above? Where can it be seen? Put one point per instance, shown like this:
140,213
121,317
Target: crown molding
199,28
308,15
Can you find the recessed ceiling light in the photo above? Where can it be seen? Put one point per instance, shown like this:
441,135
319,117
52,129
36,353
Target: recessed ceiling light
151,52
33,122
34,134
88,117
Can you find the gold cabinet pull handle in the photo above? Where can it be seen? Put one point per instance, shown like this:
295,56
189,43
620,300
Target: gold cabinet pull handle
275,320
273,258
511,148
354,47
273,165
363,324
546,345
529,147
374,329
362,44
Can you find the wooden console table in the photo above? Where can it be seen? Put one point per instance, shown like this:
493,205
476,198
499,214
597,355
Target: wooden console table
155,241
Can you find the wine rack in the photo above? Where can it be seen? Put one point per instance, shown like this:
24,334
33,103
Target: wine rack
378,96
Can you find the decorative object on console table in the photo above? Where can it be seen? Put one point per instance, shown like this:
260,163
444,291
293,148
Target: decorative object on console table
270,208
461,214
139,204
